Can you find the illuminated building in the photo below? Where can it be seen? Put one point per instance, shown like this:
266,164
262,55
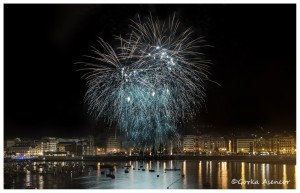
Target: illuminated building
9,143
86,146
283,144
113,144
245,146
204,143
260,145
48,144
37,149
218,144
189,143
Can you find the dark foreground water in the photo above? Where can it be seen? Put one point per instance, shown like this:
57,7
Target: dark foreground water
192,175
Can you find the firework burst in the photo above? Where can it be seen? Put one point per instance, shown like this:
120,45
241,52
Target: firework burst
154,79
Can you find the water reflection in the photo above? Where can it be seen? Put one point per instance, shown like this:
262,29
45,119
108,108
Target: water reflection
210,176
267,172
224,175
255,171
263,174
284,176
295,177
184,172
192,174
41,182
243,177
200,182
28,180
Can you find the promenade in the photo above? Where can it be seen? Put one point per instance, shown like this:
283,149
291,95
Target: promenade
282,159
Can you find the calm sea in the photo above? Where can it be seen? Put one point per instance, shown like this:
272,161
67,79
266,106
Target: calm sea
192,175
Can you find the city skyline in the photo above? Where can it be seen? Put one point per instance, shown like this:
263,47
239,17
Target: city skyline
253,61
149,96
254,144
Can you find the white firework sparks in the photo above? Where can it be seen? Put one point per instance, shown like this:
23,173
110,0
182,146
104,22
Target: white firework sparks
154,79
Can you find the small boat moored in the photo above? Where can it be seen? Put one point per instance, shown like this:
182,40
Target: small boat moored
172,169
110,175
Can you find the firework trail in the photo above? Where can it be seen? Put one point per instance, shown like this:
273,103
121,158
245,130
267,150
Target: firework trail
152,81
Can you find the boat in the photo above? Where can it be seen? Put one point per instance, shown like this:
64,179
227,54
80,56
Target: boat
172,169
111,169
143,169
106,166
126,171
141,166
110,175
151,170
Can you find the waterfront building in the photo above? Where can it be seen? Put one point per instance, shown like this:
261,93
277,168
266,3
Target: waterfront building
71,148
85,146
9,143
61,146
68,147
69,140
113,144
269,145
22,147
21,150
204,142
230,146
260,145
90,150
218,144
48,144
100,150
283,144
189,143
245,146
37,149
55,153
82,148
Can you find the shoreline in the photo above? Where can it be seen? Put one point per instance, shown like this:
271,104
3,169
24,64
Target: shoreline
240,158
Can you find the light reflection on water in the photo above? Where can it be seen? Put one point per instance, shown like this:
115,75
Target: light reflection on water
295,176
243,176
196,175
263,174
200,173
224,175
284,175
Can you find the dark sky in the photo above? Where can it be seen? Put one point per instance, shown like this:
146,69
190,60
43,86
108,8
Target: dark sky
253,56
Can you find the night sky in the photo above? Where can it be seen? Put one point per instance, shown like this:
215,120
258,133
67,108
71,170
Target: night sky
253,56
